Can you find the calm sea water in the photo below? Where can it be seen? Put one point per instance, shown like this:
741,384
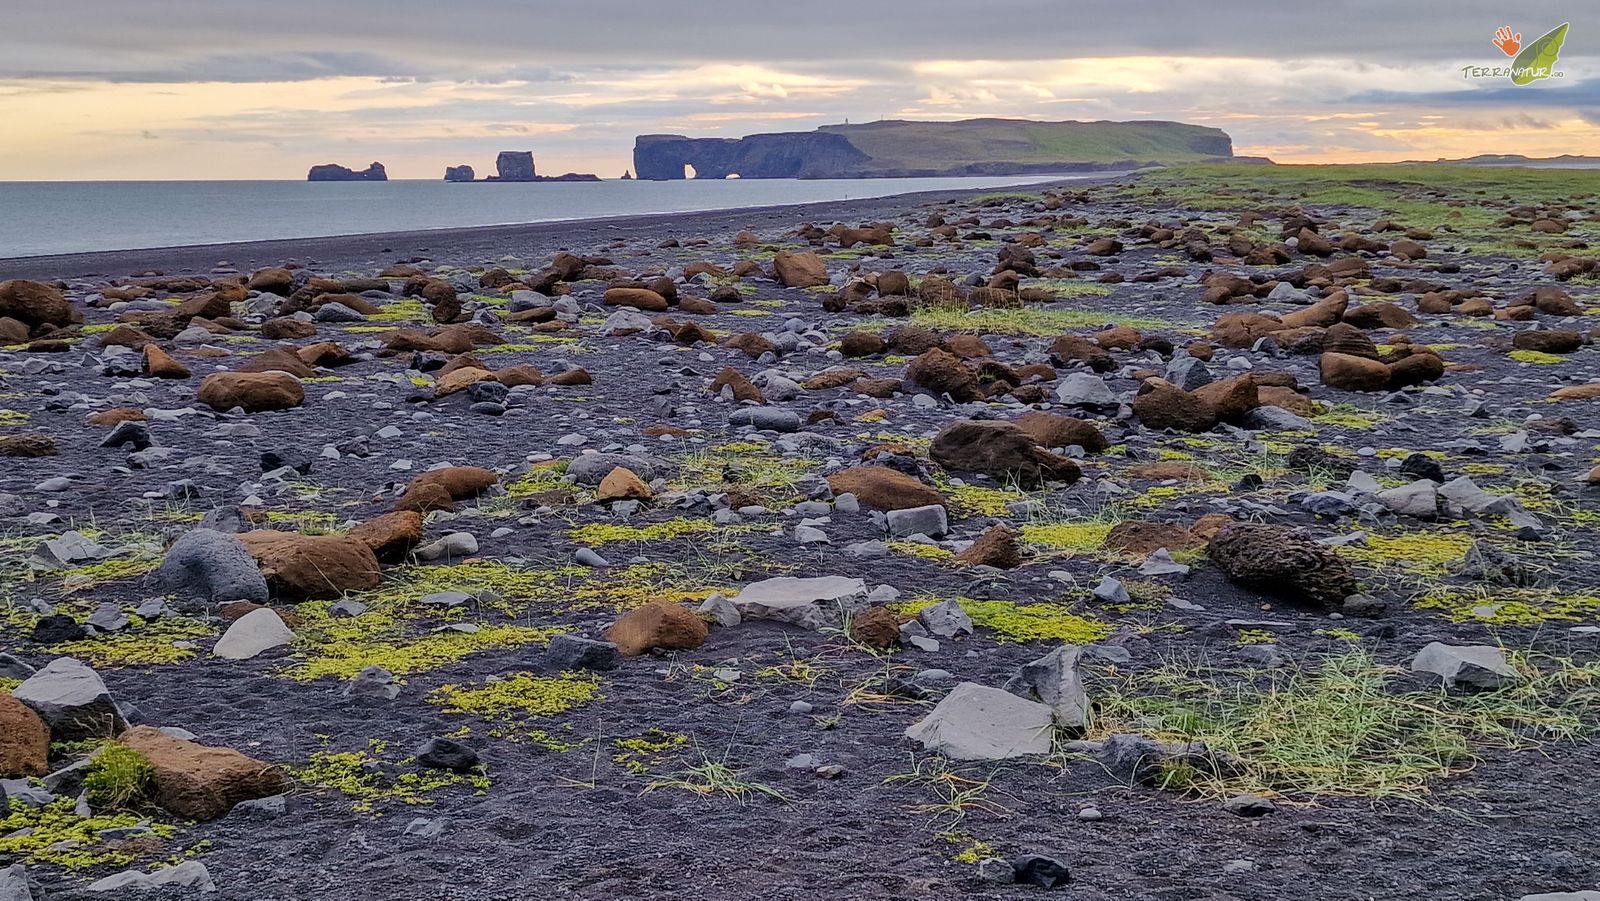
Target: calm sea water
75,217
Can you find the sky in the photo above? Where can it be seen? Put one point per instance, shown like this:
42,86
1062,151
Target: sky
212,89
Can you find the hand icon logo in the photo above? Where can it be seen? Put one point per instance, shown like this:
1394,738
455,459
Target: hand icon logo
1508,43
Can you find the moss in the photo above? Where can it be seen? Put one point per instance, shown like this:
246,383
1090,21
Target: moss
1536,356
539,478
983,500
1083,537
365,778
534,343
54,834
1344,635
118,777
498,585
1257,636
1025,622
1349,416
1032,320
1510,606
397,311
918,549
642,583
158,642
974,853
13,417
114,569
600,533
653,748
1425,553
519,696
341,647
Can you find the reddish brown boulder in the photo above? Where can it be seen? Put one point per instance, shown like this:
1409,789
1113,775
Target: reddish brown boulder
743,389
36,304
883,488
1000,450
876,627
311,567
1162,405
161,365
286,329
1141,538
942,372
997,547
1351,373
460,482
1051,430
622,484
255,392
799,269
24,740
392,535
198,782
638,298
666,626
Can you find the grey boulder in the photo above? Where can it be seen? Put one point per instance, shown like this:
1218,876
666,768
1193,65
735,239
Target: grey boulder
976,722
212,567
72,701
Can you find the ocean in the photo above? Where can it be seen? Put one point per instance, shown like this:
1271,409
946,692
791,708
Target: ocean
38,218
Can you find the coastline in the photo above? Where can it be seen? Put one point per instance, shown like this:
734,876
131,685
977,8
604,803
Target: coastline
378,249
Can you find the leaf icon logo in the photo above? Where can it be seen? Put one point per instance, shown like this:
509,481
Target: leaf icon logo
1538,59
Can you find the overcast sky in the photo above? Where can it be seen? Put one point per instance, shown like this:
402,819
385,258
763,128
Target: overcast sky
235,89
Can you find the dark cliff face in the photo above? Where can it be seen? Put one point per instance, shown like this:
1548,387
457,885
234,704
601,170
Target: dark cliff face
459,173
921,148
334,172
798,155
515,165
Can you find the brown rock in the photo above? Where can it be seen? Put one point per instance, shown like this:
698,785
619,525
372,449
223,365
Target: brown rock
1343,338
326,354
391,535
622,484
969,347
1282,562
1380,315
1286,399
997,547
799,269
311,567
1068,348
284,328
837,377
273,280
1231,398
460,482
1415,369
657,625
861,344
198,782
743,389
278,359
567,378
1140,538
876,627
26,446
160,364
425,499
121,336
24,740
1577,392
894,282
1000,450
638,298
36,304
1049,430
521,374
1550,341
460,380
883,488
1121,337
914,339
1350,373
12,331
942,372
1322,314
752,343
1162,405
255,392
117,415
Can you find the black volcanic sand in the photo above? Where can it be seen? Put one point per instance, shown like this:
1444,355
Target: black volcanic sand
565,818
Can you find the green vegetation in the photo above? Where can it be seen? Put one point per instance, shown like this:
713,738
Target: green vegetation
611,533
1339,730
118,777
55,834
898,144
1030,320
1023,622
519,696
716,777
368,780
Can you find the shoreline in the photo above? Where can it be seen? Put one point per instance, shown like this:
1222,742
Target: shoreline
377,249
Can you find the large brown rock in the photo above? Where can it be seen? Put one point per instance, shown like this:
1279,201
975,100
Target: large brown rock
942,372
734,380
997,547
883,488
36,304
1282,562
460,482
255,392
801,269
1051,430
1001,450
272,280
861,344
1415,369
1342,338
1550,341
638,298
1162,405
622,484
161,365
24,740
1353,373
312,567
1231,398
198,782
1142,538
390,536
657,625
278,359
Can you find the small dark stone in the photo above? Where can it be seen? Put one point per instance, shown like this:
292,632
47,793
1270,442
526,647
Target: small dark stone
271,460
1042,871
129,431
446,754
57,628
1422,466
570,652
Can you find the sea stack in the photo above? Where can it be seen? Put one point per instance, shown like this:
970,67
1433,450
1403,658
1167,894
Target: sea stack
459,173
335,172
515,165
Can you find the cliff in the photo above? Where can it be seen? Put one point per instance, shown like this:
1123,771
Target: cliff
334,172
896,148
459,173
